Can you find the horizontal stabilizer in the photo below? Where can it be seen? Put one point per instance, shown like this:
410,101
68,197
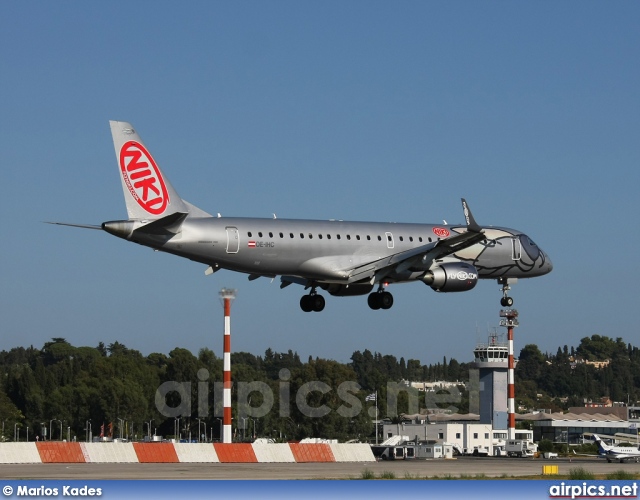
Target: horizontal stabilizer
169,224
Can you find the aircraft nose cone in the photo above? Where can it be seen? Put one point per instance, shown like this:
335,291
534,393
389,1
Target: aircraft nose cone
548,265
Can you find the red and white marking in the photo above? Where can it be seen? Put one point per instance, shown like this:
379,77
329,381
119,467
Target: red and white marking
226,376
441,232
143,178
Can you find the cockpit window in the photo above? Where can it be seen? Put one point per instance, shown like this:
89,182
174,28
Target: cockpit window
531,242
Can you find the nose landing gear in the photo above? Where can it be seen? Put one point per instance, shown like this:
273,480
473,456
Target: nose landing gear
506,301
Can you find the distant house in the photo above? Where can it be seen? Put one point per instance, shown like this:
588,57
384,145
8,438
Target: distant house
598,365
604,402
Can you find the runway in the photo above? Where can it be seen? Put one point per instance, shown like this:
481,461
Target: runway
465,467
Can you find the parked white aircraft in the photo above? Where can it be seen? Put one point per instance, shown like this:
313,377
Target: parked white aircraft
620,453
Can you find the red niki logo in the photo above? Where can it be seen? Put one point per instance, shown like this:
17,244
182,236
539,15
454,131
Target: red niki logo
441,232
143,178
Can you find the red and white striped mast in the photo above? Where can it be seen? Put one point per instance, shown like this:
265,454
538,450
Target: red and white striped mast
227,295
510,321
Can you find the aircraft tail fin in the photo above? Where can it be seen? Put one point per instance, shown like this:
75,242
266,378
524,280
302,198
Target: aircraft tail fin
148,193
601,446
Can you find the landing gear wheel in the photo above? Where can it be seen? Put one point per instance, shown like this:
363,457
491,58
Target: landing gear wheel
386,300
380,300
312,302
317,302
305,303
506,301
373,301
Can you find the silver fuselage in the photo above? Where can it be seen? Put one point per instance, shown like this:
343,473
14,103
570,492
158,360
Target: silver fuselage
327,251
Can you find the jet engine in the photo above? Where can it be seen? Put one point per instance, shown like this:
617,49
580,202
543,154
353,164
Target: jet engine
347,290
451,277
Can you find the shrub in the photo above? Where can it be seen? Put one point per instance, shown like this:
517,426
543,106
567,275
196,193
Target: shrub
545,445
580,473
367,474
621,475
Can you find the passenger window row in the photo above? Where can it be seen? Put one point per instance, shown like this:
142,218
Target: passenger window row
337,236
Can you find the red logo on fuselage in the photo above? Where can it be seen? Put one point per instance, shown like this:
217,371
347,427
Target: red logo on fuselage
441,232
143,178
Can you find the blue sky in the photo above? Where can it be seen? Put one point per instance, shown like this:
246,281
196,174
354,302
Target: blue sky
323,110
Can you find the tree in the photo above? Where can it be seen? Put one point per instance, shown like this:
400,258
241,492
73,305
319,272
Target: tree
531,363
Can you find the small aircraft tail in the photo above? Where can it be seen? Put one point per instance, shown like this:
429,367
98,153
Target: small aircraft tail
148,193
603,448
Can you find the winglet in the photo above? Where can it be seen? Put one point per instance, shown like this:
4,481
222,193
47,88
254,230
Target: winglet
472,225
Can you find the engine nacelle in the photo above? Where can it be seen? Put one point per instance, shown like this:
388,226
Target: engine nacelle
451,277
347,290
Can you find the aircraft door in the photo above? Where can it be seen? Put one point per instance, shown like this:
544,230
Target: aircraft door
516,248
389,240
233,240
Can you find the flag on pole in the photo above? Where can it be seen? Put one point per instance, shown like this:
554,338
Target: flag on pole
372,397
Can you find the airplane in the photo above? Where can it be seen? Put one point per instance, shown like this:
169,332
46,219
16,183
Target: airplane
620,453
339,257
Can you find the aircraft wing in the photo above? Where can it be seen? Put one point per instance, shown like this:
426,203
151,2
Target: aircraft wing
421,258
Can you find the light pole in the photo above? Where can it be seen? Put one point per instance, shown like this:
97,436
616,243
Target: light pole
205,430
27,433
68,434
149,427
61,433
220,437
176,428
87,431
16,434
43,429
121,425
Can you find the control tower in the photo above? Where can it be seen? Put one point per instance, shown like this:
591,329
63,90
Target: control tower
491,360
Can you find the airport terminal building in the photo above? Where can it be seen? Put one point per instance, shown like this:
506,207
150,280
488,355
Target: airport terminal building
468,434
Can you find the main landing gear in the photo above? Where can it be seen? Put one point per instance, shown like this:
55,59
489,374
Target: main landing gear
380,299
506,301
312,302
